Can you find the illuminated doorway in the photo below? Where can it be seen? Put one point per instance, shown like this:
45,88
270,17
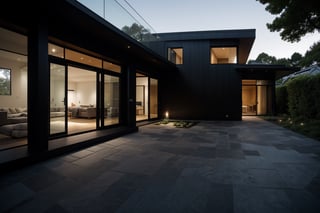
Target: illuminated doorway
256,97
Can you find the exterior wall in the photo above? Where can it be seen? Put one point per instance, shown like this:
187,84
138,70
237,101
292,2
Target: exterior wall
200,90
88,36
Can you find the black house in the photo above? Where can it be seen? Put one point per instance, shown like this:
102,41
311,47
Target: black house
214,81
70,79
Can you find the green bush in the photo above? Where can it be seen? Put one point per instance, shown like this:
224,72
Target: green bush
303,97
282,100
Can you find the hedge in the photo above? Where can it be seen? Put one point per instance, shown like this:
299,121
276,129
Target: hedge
302,95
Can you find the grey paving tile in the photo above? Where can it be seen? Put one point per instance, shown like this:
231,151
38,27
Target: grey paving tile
251,152
303,201
214,166
47,198
41,180
89,197
82,153
144,164
14,195
263,200
297,175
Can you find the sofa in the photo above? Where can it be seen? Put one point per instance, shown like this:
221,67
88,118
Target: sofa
13,121
57,112
17,130
87,112
13,115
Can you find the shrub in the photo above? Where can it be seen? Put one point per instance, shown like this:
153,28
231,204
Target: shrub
282,100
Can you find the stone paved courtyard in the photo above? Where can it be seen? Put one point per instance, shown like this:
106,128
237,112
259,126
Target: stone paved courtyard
214,166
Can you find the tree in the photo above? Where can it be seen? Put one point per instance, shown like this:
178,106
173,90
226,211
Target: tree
264,58
295,59
312,55
295,18
137,32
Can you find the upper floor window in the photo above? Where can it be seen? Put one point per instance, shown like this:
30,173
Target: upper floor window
223,55
175,55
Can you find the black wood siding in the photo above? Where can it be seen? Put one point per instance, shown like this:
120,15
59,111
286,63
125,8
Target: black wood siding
199,90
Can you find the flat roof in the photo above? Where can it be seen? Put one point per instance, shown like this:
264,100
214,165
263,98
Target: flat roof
244,37
278,71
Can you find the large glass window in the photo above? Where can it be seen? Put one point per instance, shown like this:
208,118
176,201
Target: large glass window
175,55
82,99
57,99
223,55
111,99
256,97
153,98
142,97
13,89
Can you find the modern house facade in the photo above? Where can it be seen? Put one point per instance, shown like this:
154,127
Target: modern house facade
70,79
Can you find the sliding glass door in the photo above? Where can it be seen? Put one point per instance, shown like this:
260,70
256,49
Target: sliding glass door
82,100
153,98
256,97
111,88
146,97
57,113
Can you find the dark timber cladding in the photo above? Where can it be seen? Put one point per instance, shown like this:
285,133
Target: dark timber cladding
201,90
70,25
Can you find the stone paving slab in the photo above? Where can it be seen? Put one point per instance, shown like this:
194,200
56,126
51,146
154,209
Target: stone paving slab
214,166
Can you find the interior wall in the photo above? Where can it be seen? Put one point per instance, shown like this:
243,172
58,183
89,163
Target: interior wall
248,95
144,81
19,79
262,100
86,93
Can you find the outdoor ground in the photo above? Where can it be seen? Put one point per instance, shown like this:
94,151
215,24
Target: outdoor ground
214,166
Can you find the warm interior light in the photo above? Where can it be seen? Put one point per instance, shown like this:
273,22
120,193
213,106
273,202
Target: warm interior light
53,50
167,114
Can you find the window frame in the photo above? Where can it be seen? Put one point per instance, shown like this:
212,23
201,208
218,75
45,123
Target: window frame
175,61
223,47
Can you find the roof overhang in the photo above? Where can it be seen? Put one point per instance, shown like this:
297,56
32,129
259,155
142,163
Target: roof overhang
260,71
71,23
242,38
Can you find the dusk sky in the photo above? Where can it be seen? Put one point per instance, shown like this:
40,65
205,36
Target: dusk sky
198,15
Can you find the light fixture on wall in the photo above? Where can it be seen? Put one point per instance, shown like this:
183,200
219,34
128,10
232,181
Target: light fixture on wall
167,115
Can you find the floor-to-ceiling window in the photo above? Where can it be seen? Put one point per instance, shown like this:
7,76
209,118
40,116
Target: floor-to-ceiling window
142,97
84,92
111,93
57,111
82,107
256,97
146,97
111,99
153,98
13,89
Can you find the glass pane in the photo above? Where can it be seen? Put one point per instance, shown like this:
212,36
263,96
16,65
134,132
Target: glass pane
83,58
223,55
249,100
57,99
111,100
55,50
153,98
142,100
122,15
82,93
13,88
111,66
175,55
262,100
